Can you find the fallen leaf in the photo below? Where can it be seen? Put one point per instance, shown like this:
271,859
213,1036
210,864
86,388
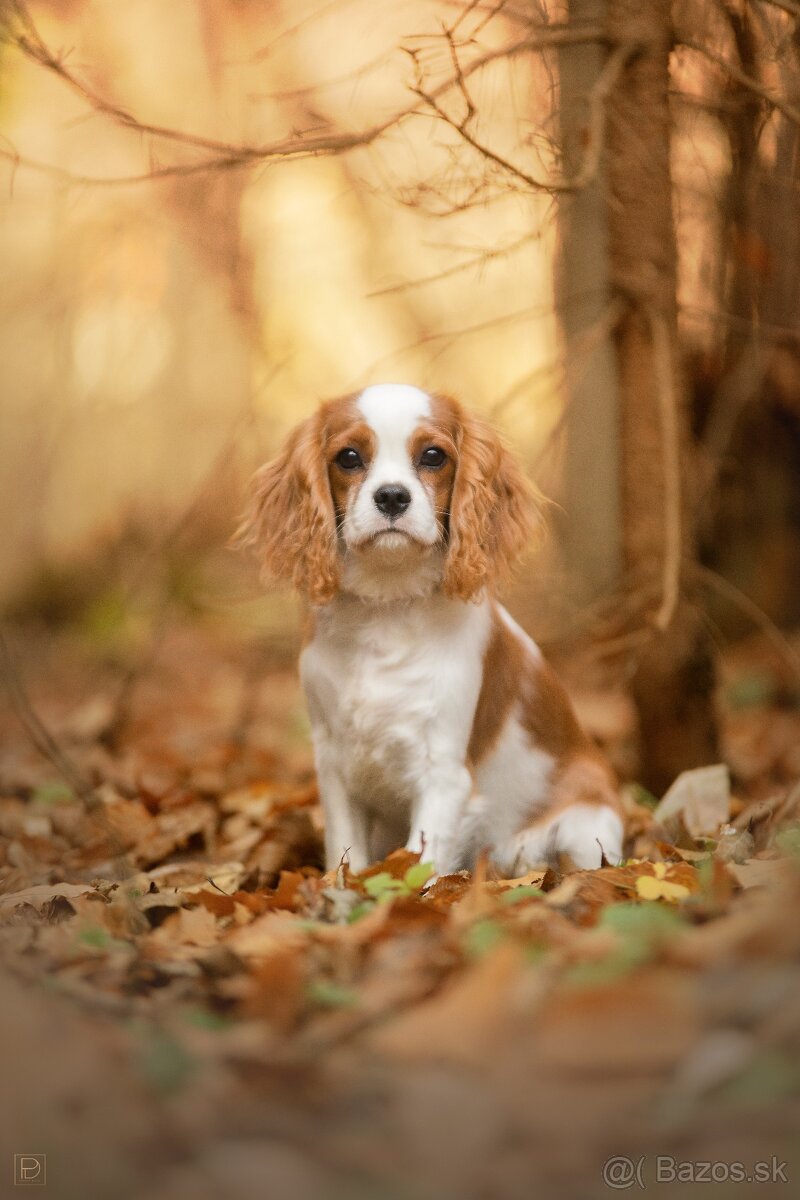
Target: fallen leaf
198,927
43,893
462,1022
701,797
658,887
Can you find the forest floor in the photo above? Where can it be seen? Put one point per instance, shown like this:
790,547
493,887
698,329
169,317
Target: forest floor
191,1008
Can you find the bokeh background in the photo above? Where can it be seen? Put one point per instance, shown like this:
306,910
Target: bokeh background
165,321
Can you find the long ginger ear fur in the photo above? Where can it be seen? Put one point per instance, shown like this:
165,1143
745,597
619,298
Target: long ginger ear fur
290,521
494,512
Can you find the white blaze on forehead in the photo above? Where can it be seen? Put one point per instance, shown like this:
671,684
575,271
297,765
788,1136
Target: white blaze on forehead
393,410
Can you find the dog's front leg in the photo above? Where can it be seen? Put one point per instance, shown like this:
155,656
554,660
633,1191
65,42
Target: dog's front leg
436,818
345,822
345,827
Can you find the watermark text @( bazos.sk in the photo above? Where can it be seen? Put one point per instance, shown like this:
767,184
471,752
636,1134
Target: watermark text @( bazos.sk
621,1172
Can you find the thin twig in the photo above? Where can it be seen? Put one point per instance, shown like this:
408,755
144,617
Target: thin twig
38,733
738,388
670,449
444,337
479,260
767,330
756,614
746,81
227,156
595,137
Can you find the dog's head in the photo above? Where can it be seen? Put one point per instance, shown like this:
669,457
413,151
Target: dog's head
391,492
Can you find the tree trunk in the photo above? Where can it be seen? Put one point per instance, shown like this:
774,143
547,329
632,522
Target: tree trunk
591,464
674,680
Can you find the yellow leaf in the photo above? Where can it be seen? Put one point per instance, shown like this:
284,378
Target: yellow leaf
656,887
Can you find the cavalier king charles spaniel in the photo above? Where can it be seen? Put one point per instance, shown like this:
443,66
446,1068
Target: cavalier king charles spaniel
437,725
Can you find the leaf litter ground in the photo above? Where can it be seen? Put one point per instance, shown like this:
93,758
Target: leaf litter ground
192,1007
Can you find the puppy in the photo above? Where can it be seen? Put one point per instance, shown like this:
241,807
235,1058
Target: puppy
436,722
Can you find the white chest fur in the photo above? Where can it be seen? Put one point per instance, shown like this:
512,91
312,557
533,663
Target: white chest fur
392,690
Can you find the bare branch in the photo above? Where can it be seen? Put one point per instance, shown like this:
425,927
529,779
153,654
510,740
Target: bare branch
449,335
757,615
598,96
479,260
40,736
767,330
670,443
746,81
787,6
225,155
182,170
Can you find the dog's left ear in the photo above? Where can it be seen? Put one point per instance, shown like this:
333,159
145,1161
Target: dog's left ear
494,512
290,521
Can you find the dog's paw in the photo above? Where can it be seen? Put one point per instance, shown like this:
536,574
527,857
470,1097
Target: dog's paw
589,834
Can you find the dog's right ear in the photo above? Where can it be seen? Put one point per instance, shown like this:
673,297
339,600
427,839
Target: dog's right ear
290,521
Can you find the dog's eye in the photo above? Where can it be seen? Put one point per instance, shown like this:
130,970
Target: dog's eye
349,459
432,457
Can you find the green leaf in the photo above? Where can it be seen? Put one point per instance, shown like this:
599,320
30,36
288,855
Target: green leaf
483,936
57,792
417,876
203,1018
595,974
518,894
360,910
100,939
788,841
383,884
331,995
95,936
766,1079
640,930
641,921
166,1064
751,691
644,797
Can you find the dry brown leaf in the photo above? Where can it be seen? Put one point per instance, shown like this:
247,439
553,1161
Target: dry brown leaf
266,934
762,872
462,1023
701,798
197,926
173,829
41,894
532,879
642,1023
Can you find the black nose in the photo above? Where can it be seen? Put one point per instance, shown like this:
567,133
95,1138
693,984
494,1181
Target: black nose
392,499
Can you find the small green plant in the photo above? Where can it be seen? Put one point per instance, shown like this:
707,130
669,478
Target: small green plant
329,994
165,1063
204,1018
788,841
644,797
98,938
516,895
48,794
641,930
483,936
384,887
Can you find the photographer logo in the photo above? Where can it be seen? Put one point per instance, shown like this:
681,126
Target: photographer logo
30,1170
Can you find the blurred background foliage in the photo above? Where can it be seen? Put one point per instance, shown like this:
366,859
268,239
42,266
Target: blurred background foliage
186,271
159,337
